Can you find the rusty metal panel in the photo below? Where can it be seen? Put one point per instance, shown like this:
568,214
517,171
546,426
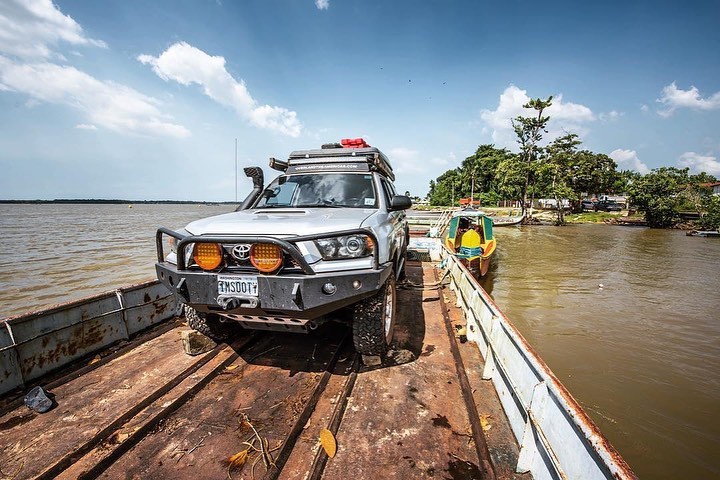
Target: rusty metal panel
36,324
48,352
557,439
10,374
38,342
5,337
147,304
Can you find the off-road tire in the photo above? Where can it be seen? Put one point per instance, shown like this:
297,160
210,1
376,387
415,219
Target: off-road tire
370,335
209,324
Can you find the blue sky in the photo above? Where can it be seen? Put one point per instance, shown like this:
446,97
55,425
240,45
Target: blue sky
119,99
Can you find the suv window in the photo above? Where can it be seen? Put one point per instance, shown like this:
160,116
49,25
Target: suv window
389,190
347,190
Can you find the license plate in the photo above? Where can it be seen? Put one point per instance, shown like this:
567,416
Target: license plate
232,285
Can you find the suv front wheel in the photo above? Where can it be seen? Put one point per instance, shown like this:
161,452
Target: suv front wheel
210,325
374,320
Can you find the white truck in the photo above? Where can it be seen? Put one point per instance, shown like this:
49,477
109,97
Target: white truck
325,240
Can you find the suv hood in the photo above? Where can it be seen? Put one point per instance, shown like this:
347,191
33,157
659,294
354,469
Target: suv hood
281,222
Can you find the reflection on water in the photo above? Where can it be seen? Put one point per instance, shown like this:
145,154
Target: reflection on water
629,320
641,353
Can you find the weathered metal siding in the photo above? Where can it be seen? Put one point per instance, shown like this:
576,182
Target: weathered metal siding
36,343
557,439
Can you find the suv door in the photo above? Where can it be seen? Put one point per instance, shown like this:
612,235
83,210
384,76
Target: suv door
398,220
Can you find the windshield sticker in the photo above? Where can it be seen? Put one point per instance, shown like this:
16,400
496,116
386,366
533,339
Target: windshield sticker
369,201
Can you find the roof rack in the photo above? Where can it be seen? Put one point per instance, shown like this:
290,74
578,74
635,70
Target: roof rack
334,159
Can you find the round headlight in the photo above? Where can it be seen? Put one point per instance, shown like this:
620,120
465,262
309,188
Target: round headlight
208,256
266,257
354,245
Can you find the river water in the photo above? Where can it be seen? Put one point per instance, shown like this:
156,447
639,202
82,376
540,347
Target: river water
627,318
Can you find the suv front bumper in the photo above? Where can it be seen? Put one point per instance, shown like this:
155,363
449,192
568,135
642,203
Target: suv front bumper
299,296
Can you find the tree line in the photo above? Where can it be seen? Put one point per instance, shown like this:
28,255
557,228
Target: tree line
563,170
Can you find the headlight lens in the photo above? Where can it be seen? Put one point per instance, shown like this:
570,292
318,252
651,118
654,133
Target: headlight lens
349,246
266,257
208,256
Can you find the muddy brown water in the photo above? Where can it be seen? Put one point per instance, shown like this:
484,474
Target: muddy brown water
641,353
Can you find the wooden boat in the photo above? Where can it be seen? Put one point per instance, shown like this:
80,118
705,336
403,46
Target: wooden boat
703,233
507,221
470,238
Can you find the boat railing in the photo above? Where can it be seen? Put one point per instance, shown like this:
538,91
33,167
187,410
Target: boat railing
442,222
36,343
556,437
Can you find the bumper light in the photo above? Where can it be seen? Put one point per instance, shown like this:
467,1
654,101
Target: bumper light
266,257
208,256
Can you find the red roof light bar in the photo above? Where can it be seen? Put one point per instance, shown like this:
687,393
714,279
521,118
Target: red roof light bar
353,143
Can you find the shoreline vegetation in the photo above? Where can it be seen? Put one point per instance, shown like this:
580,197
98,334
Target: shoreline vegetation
559,169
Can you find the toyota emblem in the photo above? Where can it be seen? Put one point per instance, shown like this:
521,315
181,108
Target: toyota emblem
241,251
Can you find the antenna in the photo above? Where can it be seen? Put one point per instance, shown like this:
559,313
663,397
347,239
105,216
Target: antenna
235,169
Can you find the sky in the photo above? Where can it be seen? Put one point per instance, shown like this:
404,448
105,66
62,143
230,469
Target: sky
145,100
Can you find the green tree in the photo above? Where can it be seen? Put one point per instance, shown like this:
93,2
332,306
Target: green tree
529,131
478,172
510,178
658,195
711,219
557,170
622,181
445,190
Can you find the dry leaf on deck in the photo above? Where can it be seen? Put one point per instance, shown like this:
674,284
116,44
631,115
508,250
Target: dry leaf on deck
238,460
484,422
327,440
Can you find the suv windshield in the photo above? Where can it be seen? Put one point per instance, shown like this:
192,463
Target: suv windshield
329,190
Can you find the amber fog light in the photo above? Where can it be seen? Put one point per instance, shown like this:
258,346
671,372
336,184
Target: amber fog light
266,257
208,256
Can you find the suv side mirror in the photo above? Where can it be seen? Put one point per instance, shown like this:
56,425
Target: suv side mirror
400,202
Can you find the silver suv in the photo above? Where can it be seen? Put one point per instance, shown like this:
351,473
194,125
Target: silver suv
326,240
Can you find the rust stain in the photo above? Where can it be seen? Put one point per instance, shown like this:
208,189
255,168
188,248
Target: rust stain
146,298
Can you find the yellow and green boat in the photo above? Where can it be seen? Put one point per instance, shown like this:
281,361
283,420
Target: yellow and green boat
470,238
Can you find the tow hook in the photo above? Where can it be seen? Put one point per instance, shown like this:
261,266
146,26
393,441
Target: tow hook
228,302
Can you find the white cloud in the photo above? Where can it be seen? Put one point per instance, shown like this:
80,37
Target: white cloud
322,4
105,103
674,98
85,126
564,117
30,28
406,160
186,65
700,163
628,159
644,108
610,116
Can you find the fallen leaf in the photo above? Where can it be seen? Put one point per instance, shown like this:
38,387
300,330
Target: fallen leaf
95,359
484,422
231,368
238,460
327,440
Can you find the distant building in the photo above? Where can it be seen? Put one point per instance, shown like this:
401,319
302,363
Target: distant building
714,186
